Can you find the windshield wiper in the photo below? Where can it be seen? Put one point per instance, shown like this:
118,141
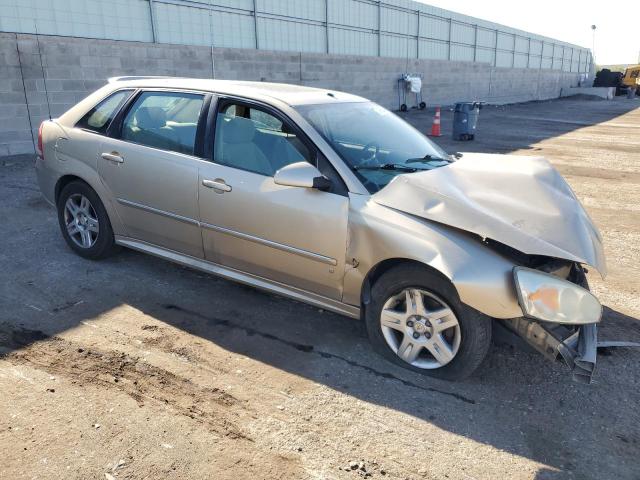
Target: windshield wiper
428,159
387,166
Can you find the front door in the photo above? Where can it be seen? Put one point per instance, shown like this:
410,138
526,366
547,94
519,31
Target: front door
292,235
152,172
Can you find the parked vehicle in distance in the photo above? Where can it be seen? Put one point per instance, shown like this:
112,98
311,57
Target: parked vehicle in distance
332,200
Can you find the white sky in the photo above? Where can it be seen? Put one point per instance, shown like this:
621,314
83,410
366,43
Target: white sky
618,22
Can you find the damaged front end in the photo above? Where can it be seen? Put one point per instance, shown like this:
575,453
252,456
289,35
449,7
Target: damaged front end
574,343
522,209
576,347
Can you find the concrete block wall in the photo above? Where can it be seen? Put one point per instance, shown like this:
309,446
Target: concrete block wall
71,68
15,134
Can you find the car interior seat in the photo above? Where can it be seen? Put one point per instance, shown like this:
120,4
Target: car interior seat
238,149
151,129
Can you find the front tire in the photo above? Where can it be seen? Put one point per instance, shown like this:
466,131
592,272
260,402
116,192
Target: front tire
84,222
416,320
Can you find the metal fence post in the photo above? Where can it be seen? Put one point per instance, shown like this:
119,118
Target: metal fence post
495,50
255,23
152,18
571,61
450,23
418,36
326,19
475,42
379,28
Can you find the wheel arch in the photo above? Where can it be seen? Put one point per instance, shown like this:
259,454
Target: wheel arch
112,214
380,268
65,180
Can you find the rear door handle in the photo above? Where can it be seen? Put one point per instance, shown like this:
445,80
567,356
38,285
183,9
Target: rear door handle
113,157
217,184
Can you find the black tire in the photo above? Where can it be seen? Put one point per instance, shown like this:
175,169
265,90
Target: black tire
104,245
403,107
422,105
475,328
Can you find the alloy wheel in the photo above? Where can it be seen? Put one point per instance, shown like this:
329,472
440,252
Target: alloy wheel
420,328
81,221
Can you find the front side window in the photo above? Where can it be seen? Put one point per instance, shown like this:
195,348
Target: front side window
374,142
252,139
164,120
99,117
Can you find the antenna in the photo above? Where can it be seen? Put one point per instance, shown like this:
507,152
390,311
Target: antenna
44,77
213,62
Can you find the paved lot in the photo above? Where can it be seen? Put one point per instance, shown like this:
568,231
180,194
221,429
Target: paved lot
136,368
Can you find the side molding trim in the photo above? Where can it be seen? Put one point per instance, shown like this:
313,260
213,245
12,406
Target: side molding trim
163,213
241,277
280,246
244,236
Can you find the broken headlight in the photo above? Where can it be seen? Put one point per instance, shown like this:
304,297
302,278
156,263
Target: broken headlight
546,297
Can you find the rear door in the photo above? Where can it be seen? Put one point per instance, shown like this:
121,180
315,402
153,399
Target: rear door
150,165
293,235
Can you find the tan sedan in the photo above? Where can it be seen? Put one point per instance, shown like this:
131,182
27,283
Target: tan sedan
330,199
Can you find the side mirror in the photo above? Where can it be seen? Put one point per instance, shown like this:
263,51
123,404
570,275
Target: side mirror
301,174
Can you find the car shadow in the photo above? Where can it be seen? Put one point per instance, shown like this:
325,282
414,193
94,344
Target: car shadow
517,402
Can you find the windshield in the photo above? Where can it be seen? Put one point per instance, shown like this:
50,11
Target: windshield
374,142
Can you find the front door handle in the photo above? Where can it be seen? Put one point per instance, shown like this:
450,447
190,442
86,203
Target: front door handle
114,157
217,184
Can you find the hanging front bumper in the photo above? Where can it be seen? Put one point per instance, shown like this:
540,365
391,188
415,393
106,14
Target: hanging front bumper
577,348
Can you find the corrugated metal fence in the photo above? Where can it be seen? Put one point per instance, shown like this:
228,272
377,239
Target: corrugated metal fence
389,28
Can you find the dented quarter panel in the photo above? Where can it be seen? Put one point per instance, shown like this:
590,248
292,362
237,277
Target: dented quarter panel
481,276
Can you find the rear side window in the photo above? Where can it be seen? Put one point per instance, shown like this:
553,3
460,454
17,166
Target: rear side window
164,120
99,117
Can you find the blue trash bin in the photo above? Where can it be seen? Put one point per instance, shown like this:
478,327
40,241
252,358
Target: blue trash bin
465,120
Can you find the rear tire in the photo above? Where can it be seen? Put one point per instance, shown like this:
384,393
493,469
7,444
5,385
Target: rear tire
84,222
468,340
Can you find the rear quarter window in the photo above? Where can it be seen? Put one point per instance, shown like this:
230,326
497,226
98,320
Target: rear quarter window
99,117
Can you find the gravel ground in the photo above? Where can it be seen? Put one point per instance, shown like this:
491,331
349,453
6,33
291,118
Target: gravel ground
135,368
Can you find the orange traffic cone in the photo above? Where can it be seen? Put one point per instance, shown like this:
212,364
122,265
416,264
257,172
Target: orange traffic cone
435,127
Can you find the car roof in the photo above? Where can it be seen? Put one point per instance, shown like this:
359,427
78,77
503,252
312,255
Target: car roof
284,92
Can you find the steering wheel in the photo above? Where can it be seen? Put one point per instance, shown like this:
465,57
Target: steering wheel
371,159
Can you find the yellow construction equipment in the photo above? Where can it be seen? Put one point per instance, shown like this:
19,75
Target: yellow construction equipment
631,77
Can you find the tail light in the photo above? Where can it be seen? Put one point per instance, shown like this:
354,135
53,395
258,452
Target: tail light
39,149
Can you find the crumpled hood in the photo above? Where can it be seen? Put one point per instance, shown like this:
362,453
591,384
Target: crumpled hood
520,201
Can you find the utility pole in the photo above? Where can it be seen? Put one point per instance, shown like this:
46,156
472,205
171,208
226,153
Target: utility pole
593,42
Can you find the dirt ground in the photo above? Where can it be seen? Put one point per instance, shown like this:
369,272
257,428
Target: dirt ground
135,368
